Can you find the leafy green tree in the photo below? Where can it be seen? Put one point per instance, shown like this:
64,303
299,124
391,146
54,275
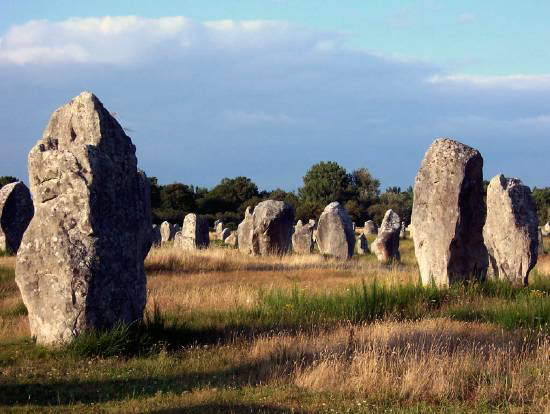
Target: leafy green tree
324,183
400,202
541,196
7,179
229,195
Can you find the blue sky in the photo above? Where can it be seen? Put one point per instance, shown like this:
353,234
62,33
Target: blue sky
267,88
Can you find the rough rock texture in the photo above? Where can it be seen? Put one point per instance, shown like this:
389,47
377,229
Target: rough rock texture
232,240
335,235
546,229
448,214
156,237
244,232
386,244
193,234
511,230
16,211
168,231
302,238
273,226
80,263
362,245
370,228
541,243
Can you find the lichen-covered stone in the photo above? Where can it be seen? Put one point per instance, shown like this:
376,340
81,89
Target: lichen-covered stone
511,230
232,240
168,231
370,228
193,234
386,244
448,214
244,232
80,263
335,236
16,211
302,238
273,223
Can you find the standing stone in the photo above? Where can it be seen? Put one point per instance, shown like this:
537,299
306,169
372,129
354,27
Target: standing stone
448,214
511,231
410,230
244,232
546,229
80,263
168,231
219,230
362,245
193,234
225,234
232,240
273,223
302,238
156,237
386,244
402,234
16,211
541,243
370,228
335,235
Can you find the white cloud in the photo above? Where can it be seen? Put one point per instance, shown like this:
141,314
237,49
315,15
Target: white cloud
130,39
466,18
514,82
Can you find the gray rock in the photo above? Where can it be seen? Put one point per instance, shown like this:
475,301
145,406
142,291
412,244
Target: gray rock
302,238
335,235
448,214
244,232
511,229
273,226
168,231
80,263
232,240
219,230
156,237
362,245
386,244
193,234
16,211
225,234
546,229
370,228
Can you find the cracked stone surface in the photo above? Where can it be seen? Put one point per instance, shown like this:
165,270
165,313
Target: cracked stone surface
80,263
448,214
335,236
511,231
386,244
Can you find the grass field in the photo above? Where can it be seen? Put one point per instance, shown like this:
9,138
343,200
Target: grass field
231,333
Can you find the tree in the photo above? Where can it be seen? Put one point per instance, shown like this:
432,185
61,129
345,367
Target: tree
229,195
541,196
7,179
324,183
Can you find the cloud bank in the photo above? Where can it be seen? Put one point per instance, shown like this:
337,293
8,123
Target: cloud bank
265,99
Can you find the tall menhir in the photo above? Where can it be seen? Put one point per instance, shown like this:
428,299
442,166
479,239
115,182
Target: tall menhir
80,263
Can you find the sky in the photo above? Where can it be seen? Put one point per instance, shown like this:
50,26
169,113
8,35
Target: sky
267,88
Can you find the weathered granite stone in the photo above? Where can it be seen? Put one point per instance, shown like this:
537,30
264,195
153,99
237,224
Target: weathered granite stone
193,234
232,239
168,231
386,244
302,238
273,226
335,235
244,232
16,211
546,229
219,230
80,263
362,245
370,228
156,237
511,229
448,214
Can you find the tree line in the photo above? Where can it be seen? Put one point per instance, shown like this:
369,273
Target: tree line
327,181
